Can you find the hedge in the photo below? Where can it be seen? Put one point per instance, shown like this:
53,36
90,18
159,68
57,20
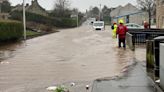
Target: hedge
46,20
66,23
10,30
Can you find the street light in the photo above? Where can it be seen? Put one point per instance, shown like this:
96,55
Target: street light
24,19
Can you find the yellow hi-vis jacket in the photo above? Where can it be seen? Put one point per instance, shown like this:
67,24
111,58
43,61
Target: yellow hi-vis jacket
114,31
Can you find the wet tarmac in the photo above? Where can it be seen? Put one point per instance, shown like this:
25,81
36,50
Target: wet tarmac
72,55
134,80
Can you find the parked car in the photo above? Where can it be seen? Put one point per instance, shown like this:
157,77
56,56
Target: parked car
98,25
133,26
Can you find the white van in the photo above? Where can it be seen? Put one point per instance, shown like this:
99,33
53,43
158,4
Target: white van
98,25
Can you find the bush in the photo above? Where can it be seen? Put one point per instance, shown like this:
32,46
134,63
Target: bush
17,15
10,30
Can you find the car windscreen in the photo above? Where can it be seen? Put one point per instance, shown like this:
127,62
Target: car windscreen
98,24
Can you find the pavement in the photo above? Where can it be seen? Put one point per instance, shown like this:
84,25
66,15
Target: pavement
134,79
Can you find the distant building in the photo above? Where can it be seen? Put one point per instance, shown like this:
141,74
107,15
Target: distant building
33,8
18,7
3,15
129,13
160,13
2,1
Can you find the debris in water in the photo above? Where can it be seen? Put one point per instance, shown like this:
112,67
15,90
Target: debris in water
157,81
72,84
53,88
4,62
87,87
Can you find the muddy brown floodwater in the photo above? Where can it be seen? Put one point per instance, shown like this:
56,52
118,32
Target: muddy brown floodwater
78,54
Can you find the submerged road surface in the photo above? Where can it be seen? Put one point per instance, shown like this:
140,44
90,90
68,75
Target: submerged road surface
78,54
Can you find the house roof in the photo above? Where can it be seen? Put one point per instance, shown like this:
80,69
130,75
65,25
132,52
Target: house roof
34,8
34,5
116,11
127,9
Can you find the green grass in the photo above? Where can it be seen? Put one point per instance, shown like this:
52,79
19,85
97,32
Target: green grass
32,33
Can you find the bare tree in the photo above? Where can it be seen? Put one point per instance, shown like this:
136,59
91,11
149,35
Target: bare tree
61,6
148,6
5,7
106,11
95,11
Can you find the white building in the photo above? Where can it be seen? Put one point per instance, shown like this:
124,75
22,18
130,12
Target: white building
129,13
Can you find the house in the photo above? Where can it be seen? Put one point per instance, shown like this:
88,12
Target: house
160,13
2,14
33,8
129,13
36,8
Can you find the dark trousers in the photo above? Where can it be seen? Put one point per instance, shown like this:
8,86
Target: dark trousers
121,41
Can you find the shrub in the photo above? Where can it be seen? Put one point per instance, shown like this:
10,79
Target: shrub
10,30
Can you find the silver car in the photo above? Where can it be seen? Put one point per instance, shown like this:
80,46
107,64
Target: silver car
133,26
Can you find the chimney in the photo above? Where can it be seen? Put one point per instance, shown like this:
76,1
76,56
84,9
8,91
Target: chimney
32,2
27,5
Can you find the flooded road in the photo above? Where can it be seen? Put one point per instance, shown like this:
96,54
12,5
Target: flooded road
78,54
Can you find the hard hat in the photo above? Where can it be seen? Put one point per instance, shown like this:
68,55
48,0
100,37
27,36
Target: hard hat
121,21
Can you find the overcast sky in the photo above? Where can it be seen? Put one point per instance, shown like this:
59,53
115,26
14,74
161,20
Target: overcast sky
82,5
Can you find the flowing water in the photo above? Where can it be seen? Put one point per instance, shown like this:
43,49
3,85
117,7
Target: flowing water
78,54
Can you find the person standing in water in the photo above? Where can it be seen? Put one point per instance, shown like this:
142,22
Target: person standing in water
121,32
114,29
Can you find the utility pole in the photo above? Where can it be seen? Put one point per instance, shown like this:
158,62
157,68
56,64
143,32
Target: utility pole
149,17
0,7
100,13
77,19
24,19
